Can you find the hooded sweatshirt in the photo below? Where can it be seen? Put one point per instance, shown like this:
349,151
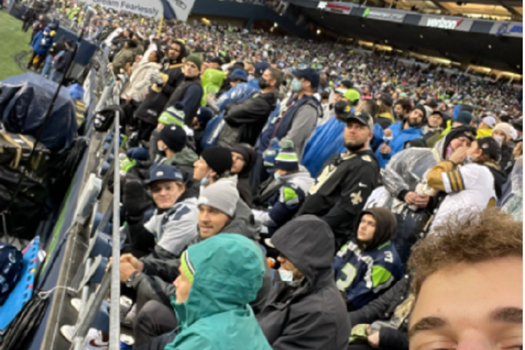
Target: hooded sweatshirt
243,183
365,272
227,272
313,315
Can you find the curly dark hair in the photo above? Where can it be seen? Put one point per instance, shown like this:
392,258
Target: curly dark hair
488,235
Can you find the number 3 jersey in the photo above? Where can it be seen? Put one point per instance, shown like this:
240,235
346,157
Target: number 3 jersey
364,275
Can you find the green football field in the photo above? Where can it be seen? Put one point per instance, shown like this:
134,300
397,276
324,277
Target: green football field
12,42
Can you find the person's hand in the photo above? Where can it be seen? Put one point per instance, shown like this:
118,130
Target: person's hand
130,259
411,198
518,150
388,132
421,200
128,100
126,269
373,340
385,149
459,155
160,126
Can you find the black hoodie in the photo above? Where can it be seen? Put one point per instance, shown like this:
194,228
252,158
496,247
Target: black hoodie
386,227
313,315
243,184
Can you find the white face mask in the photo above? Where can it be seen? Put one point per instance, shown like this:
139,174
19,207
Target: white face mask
286,275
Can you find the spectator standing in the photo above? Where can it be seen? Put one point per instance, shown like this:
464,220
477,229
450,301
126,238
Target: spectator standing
61,63
245,119
125,57
305,309
41,43
163,86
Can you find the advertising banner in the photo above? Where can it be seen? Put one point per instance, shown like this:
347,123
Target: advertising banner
179,9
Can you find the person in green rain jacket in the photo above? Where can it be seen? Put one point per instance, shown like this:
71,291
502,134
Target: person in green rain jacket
218,278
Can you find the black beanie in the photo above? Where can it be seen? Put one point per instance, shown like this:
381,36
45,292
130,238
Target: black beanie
219,159
174,137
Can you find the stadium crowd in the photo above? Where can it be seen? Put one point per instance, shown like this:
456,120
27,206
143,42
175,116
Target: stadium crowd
289,194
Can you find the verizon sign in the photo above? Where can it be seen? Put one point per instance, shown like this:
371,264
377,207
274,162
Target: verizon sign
443,23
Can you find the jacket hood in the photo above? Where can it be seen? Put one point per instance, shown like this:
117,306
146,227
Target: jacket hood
386,226
249,155
186,157
308,242
441,145
227,271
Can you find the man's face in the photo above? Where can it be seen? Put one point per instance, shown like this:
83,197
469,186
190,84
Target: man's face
174,51
211,221
356,133
267,76
191,70
366,229
400,112
460,142
200,169
415,117
238,163
470,307
435,120
182,287
165,193
288,265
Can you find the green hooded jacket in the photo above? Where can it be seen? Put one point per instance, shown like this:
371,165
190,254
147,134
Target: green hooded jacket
227,272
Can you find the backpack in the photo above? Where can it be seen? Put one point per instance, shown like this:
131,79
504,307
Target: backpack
11,260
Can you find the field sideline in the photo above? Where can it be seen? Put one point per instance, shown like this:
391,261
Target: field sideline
12,41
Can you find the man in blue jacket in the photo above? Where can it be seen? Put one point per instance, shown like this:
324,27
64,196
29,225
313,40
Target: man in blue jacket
368,265
399,133
40,44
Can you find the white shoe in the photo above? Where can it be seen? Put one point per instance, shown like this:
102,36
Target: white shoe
68,332
76,302
94,340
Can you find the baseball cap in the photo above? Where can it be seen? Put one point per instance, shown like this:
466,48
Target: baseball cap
309,74
490,121
464,117
261,67
239,74
164,173
490,147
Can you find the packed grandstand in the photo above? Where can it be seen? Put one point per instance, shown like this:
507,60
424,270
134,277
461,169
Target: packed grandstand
249,175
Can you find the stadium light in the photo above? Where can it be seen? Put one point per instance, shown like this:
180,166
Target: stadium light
275,24
318,31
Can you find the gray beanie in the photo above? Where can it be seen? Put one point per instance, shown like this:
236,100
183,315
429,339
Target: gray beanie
221,195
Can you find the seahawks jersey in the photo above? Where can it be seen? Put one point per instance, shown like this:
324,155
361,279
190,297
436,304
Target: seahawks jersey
364,275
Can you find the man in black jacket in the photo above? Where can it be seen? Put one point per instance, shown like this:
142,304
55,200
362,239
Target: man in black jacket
305,309
385,319
62,62
245,120
347,179
163,86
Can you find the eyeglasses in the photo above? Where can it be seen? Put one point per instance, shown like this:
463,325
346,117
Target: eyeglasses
174,49
156,188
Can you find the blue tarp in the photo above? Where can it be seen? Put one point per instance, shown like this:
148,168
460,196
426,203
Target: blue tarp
24,100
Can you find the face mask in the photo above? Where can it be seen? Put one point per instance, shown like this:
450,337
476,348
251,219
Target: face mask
277,176
286,275
297,85
499,140
263,84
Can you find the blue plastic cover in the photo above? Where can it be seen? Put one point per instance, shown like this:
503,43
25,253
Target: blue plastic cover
24,100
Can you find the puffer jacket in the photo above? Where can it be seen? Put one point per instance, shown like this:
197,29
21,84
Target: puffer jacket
227,272
140,81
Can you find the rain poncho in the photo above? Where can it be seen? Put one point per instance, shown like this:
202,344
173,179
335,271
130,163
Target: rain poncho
405,172
514,205
227,272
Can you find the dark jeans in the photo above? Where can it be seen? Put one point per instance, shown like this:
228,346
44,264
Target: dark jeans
152,321
145,130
